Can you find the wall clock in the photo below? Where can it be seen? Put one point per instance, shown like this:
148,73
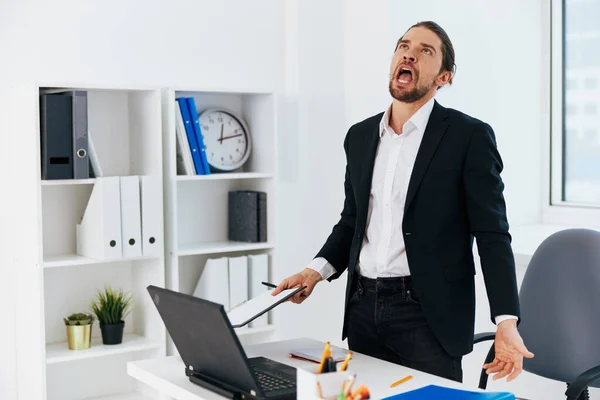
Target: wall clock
226,139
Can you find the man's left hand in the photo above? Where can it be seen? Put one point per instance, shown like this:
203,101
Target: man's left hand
510,351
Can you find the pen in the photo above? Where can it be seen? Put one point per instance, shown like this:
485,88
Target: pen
345,364
324,358
406,378
267,284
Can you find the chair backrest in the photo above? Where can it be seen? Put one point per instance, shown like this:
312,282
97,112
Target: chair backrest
560,305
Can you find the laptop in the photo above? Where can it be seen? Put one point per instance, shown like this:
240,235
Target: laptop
212,353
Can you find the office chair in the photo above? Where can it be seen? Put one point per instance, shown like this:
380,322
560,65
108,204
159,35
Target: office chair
560,312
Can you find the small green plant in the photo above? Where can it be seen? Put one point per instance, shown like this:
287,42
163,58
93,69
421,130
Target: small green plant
112,305
79,319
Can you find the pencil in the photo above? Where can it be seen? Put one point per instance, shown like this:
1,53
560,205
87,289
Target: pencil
319,390
345,364
406,378
324,358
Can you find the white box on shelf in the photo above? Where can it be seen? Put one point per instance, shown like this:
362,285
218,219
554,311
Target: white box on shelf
99,233
238,280
151,195
213,284
131,224
258,272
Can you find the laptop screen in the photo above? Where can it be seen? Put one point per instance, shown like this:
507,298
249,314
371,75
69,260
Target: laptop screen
204,337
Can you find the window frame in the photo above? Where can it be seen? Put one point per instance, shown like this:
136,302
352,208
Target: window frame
555,210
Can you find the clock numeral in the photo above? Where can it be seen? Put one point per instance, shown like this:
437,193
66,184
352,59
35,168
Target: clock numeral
230,157
237,150
211,121
240,141
205,127
222,159
220,119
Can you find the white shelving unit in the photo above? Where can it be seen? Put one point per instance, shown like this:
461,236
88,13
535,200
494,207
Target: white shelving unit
53,281
196,206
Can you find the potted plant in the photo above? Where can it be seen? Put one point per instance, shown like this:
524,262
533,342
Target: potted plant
111,307
79,330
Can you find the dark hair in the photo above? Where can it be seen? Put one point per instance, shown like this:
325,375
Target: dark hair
447,47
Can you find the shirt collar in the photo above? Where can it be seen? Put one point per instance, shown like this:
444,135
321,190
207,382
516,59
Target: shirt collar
418,119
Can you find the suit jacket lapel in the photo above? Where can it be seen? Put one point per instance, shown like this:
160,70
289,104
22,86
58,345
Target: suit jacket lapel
436,128
371,141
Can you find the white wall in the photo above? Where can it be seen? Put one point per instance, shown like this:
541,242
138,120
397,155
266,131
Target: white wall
182,43
490,38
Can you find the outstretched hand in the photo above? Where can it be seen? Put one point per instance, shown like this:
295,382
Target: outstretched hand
510,351
308,277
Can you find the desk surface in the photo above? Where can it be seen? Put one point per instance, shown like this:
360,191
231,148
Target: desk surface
167,374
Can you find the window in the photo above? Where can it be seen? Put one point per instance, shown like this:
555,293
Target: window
575,145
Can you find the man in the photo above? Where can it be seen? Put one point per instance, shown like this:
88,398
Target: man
421,181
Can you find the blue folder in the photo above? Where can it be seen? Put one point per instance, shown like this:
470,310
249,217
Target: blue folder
189,130
198,132
434,392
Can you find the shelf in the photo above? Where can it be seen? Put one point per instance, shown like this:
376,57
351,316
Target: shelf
225,176
69,260
64,182
123,396
59,352
255,331
220,247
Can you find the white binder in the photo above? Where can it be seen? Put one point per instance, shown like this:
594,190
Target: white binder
213,284
258,272
151,198
99,233
238,280
131,224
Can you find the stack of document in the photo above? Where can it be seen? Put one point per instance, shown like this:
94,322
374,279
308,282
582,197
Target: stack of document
439,392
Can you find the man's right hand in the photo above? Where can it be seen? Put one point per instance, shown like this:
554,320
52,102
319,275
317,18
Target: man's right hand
308,277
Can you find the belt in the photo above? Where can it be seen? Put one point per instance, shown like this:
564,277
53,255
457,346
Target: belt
387,285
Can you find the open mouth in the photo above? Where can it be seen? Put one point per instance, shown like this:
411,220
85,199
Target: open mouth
405,75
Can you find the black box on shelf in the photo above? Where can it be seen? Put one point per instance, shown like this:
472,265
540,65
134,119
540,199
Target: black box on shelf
247,212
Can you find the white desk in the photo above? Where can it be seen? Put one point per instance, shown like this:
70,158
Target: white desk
167,376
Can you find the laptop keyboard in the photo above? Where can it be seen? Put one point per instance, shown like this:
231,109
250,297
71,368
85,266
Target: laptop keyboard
269,382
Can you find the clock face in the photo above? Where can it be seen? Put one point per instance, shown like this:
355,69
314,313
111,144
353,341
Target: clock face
226,139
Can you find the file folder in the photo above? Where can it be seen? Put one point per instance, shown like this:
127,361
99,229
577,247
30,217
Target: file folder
131,223
247,312
439,392
213,284
99,233
56,115
185,162
189,130
198,132
258,272
151,210
81,160
238,280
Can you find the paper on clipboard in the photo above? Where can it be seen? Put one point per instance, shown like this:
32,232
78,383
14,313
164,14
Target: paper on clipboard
246,312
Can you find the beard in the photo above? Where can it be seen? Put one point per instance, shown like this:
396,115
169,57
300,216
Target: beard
411,96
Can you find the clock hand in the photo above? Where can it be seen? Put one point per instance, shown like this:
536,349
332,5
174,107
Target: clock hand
229,137
221,134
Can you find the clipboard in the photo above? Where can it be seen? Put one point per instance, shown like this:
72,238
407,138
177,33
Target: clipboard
248,311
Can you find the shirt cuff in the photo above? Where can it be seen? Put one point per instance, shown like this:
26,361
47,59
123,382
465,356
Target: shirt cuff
322,266
501,318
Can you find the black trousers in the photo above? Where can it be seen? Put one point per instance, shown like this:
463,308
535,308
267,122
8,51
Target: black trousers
385,321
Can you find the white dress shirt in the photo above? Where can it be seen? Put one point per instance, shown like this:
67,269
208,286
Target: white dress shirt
383,253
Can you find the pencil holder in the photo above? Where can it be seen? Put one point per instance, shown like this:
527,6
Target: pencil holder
323,386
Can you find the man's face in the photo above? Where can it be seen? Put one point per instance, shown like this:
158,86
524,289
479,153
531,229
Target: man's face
416,65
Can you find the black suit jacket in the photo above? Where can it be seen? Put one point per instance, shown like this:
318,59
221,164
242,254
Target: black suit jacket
454,194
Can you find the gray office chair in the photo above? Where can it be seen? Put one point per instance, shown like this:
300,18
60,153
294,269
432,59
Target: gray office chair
560,312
